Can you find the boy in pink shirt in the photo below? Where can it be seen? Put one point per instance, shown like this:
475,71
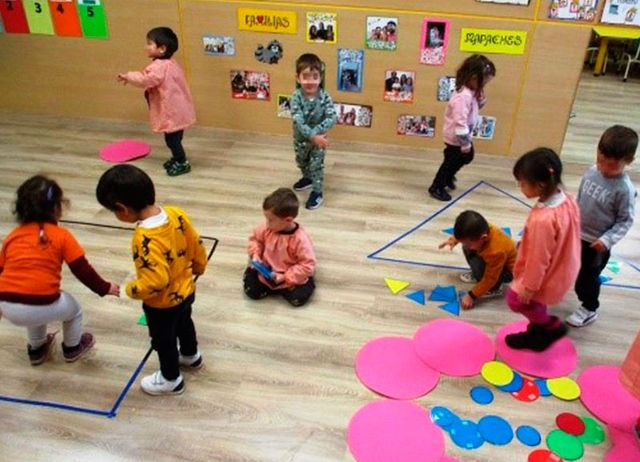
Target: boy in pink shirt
281,252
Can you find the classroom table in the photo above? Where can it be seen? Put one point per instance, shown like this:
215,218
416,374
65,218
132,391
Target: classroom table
610,32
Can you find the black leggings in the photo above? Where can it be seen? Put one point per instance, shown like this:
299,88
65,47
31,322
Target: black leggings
174,143
296,296
454,160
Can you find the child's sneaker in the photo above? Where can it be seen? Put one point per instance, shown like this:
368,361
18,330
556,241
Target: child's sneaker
155,384
179,168
302,184
72,354
168,163
496,292
582,317
315,200
468,277
440,194
191,362
39,355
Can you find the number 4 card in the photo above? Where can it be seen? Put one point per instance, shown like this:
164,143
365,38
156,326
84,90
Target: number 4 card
65,18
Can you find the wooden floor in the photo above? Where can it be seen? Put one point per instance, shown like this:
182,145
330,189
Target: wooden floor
279,383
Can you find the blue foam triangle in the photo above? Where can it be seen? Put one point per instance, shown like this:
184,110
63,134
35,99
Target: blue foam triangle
507,231
417,296
604,279
448,231
452,307
443,294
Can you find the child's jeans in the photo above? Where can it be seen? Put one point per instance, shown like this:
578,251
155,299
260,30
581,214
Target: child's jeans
535,312
478,265
36,317
588,283
296,296
454,160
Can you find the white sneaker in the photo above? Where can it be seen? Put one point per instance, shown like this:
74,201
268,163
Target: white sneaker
468,277
155,384
191,362
582,317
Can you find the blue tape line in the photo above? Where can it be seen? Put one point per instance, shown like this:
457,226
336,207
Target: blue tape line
418,263
127,387
66,407
516,198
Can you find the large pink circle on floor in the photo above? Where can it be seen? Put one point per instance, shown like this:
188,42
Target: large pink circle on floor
400,431
625,447
125,150
558,360
391,367
605,397
453,347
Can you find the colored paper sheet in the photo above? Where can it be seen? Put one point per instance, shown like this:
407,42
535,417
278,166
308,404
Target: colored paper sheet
142,320
396,285
510,42
443,294
65,18
93,19
38,16
452,307
448,231
272,21
417,296
14,17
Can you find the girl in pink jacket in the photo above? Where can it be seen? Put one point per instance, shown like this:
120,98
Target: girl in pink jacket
170,103
548,258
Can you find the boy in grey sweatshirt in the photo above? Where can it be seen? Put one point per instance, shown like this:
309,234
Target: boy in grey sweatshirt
607,199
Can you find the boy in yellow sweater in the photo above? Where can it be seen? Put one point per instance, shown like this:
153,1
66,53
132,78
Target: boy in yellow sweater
490,253
167,253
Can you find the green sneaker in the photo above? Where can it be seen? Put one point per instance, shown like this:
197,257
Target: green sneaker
168,163
179,168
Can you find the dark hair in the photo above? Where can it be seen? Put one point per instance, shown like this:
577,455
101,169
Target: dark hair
283,202
619,142
164,36
475,65
542,165
127,185
470,225
309,60
37,200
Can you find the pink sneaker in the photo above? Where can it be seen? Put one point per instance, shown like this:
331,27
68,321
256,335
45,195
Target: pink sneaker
72,354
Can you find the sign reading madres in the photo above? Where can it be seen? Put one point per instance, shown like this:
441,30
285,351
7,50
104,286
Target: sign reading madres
510,42
274,21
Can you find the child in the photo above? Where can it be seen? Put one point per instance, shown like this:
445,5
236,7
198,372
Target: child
170,104
490,253
549,253
313,115
285,247
167,252
606,198
630,374
460,118
30,273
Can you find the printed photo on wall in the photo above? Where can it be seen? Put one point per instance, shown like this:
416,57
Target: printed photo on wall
510,2
382,33
322,27
284,106
398,86
621,12
219,45
485,128
250,85
573,10
353,114
435,35
350,65
446,87
416,125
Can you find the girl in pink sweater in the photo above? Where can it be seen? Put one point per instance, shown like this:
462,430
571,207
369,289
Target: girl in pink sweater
549,254
167,93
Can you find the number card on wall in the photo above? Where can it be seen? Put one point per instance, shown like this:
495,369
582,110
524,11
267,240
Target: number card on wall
93,19
65,18
38,16
14,17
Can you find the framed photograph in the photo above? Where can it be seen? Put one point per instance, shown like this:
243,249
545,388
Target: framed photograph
621,12
219,45
350,66
446,87
574,10
416,125
485,128
382,33
434,39
250,85
322,27
354,115
284,106
398,86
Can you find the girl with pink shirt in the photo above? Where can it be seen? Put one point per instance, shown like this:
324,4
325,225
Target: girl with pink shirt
460,119
548,258
170,104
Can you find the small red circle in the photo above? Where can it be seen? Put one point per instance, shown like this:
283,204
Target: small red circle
543,455
570,423
528,393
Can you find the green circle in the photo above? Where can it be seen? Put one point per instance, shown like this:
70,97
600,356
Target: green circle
593,433
564,445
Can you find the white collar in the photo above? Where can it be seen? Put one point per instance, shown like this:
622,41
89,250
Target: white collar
155,221
554,200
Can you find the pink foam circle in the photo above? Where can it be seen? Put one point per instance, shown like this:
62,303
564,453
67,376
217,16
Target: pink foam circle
625,447
605,397
394,430
391,367
558,360
125,150
449,459
453,347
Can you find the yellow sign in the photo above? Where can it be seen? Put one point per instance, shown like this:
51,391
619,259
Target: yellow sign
509,42
275,21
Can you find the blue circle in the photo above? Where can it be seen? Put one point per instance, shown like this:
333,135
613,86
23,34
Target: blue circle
515,384
542,386
465,434
528,436
495,430
443,417
481,395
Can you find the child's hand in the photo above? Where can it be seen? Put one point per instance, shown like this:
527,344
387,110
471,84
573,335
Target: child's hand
525,296
123,79
466,302
320,140
451,243
114,290
278,278
598,246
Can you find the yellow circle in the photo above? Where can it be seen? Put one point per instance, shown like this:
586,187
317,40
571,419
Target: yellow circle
564,388
497,373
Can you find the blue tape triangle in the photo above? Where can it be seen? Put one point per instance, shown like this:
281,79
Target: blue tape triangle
417,296
448,231
453,308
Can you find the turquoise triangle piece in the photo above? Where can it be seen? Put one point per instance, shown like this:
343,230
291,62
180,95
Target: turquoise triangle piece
453,308
448,231
604,279
507,231
417,296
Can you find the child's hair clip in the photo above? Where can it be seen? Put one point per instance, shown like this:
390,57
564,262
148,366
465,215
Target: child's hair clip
50,193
